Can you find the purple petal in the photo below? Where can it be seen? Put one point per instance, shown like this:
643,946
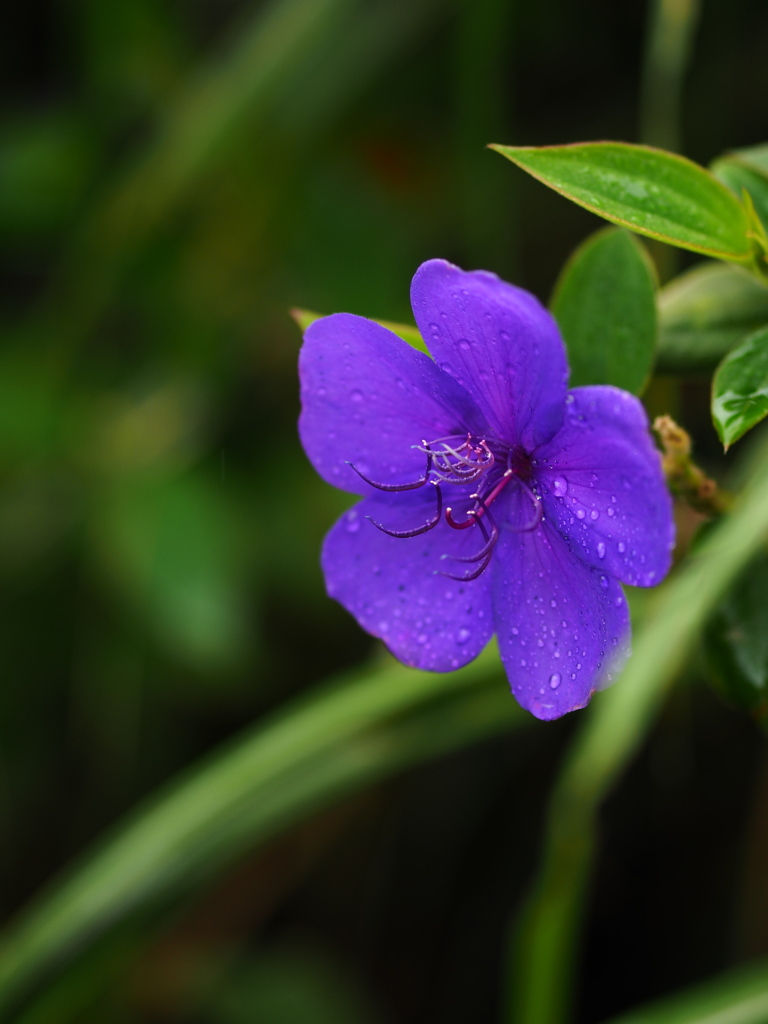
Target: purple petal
367,398
563,627
602,485
500,343
391,587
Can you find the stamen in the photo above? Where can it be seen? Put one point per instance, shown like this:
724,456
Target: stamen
397,487
429,525
538,512
490,541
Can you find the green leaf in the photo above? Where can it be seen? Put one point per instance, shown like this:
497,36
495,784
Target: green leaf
619,720
409,333
736,640
738,176
605,304
170,545
648,190
740,388
738,997
704,313
755,157
322,748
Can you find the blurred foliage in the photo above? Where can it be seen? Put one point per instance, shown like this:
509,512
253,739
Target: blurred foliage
174,176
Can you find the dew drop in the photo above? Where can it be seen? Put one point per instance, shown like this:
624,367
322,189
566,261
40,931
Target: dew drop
462,636
600,550
554,680
357,396
560,486
622,547
580,513
422,638
353,522
594,514
611,510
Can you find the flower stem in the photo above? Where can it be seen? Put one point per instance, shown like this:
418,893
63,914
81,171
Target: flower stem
686,480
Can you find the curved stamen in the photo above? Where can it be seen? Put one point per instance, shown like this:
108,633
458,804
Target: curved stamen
487,548
429,525
397,487
469,521
538,512
470,575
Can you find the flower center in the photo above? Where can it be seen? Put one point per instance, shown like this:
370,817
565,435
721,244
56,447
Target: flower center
482,464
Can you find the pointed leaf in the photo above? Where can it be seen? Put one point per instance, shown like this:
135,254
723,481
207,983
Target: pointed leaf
648,190
408,332
740,388
738,176
706,312
755,157
605,304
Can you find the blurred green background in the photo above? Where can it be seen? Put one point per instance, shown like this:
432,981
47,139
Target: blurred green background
175,175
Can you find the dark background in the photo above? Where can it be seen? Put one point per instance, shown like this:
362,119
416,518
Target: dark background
160,527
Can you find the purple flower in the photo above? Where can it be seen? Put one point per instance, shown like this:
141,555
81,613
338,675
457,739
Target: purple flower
494,499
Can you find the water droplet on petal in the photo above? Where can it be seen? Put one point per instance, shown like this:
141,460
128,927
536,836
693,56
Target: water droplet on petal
601,550
462,636
580,513
594,514
560,486
554,680
357,396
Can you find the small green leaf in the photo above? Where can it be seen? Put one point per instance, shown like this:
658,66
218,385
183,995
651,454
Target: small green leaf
755,157
648,190
408,332
605,304
736,640
706,312
738,176
740,388
169,544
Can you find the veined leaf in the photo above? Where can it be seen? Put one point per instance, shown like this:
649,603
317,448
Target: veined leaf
706,312
648,190
605,304
408,332
740,388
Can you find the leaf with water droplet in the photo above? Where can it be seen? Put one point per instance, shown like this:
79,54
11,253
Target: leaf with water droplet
740,388
648,190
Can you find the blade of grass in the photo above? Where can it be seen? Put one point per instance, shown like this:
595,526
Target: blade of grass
738,997
322,747
544,948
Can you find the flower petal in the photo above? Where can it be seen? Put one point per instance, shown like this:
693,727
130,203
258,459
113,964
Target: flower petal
602,485
563,626
367,398
392,588
500,343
